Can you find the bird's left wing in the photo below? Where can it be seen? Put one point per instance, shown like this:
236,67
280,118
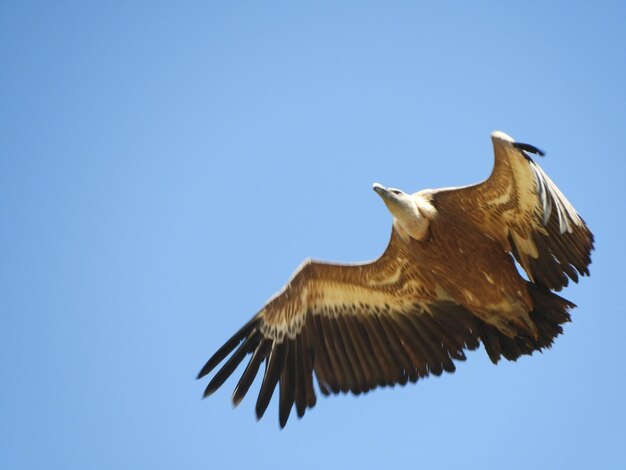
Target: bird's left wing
356,327
522,208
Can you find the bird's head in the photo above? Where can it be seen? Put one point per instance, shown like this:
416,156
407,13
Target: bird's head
397,201
410,212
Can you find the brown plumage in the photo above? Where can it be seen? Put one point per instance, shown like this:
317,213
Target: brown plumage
446,282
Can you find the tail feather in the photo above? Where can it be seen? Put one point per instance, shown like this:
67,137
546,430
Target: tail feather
550,311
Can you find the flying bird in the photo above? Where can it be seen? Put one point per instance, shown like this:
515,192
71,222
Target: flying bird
446,283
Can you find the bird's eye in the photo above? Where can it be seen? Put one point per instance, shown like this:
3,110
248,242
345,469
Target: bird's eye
396,191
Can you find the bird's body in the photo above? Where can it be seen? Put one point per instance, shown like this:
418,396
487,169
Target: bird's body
446,282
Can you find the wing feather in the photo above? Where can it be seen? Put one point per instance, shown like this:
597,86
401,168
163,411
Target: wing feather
378,374
324,371
300,377
287,382
360,367
412,347
249,374
390,367
392,343
342,370
273,368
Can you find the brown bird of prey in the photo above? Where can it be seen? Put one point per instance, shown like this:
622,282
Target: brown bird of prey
446,282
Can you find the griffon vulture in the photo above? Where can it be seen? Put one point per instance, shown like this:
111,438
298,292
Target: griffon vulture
446,282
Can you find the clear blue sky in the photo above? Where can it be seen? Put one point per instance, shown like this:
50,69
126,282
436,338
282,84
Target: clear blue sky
164,167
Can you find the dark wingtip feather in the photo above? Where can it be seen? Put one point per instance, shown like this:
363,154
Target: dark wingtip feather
250,372
227,347
287,384
273,370
300,378
529,148
230,365
207,368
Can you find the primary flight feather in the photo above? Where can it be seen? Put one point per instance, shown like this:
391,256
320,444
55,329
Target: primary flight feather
446,282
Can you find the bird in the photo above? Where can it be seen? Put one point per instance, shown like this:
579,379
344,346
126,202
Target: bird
446,283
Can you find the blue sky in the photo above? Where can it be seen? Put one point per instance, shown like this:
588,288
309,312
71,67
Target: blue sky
164,167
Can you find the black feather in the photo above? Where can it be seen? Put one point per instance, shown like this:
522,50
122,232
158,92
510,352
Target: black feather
529,148
250,373
231,364
226,349
273,369
287,383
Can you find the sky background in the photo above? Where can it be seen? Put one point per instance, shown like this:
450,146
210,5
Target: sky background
165,166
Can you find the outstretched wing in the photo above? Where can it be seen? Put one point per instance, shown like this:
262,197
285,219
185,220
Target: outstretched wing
521,207
356,327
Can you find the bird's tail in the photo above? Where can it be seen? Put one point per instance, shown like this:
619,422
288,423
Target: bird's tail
550,311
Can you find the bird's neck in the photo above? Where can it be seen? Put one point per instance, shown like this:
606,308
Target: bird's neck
414,221
418,230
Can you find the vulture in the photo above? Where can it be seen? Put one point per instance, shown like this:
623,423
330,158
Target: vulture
446,283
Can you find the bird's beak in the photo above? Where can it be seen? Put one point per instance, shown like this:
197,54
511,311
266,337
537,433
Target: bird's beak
380,190
389,199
